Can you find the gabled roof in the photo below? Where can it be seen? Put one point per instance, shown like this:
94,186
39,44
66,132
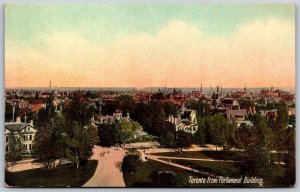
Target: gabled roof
187,122
239,112
16,126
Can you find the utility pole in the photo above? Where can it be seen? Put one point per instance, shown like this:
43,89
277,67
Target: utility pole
14,109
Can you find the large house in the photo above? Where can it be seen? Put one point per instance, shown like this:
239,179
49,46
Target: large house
188,125
24,131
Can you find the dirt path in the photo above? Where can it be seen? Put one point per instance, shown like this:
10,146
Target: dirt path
107,173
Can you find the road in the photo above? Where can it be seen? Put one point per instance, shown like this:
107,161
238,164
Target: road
107,173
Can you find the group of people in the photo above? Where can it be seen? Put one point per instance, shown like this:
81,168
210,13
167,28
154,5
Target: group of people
103,153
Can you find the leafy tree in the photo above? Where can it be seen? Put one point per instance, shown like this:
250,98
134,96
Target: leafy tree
49,144
219,130
92,134
127,128
171,109
9,112
256,142
90,94
79,146
167,139
78,111
15,149
199,136
130,163
290,157
183,139
126,103
108,135
282,114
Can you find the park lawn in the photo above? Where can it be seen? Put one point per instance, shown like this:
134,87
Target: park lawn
142,177
274,178
221,155
61,176
217,168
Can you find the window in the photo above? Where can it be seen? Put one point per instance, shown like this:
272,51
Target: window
6,139
24,137
6,148
30,147
30,137
24,146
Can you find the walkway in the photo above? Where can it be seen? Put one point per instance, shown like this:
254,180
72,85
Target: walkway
23,165
193,159
155,158
107,173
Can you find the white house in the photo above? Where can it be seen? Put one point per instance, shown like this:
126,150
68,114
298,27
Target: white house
187,125
24,131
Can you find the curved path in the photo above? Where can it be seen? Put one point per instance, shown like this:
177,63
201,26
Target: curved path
107,173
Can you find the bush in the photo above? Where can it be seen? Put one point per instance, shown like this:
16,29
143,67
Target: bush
131,162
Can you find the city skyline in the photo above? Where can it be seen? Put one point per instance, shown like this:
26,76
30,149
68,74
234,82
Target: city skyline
177,45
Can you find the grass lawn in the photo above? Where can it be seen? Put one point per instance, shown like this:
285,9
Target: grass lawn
222,155
61,176
274,178
217,168
142,178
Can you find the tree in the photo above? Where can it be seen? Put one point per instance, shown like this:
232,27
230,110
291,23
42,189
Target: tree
49,144
127,128
14,149
167,139
130,163
256,142
92,134
108,135
78,111
79,148
126,103
171,109
290,157
9,112
219,130
183,139
199,136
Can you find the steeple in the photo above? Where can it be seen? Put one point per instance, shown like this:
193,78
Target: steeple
201,88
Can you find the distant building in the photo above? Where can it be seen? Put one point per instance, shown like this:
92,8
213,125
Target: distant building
269,114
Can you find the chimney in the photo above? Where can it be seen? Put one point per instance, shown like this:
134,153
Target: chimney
18,120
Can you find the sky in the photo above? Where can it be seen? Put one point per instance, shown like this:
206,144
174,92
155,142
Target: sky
149,45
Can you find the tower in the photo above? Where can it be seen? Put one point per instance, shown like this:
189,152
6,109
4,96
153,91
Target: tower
201,88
